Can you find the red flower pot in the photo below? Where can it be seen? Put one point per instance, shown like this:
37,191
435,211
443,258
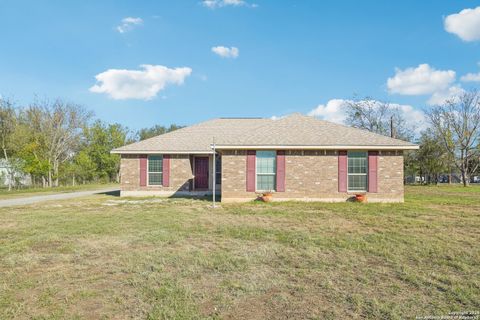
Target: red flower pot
361,197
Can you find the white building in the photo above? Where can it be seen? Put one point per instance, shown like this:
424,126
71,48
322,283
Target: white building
19,177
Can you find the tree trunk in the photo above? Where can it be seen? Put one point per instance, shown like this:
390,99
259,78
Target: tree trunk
464,178
55,173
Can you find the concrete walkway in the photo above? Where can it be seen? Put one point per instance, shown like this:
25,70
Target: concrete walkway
57,196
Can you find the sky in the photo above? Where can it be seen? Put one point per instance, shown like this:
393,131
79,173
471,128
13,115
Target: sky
141,63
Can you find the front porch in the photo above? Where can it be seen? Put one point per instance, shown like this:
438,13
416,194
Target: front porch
170,175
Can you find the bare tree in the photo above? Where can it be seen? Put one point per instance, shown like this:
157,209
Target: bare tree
457,122
379,117
57,128
8,121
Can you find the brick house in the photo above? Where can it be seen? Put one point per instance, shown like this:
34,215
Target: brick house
297,157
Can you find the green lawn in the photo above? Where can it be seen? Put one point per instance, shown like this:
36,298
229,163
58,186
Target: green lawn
28,192
104,257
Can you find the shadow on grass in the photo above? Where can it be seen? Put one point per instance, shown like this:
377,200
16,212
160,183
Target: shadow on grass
113,193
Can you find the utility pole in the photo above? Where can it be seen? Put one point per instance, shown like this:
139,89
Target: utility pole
392,128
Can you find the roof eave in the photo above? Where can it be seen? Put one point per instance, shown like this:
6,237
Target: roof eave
322,147
115,151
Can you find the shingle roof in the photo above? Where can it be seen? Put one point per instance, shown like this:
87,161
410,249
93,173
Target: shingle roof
295,130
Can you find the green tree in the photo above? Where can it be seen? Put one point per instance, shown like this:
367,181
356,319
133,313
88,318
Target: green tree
101,138
54,133
156,130
432,158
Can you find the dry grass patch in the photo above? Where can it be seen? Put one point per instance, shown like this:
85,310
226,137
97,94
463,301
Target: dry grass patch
104,257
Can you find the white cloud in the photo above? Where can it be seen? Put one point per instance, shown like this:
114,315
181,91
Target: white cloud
465,24
335,111
440,97
471,77
226,52
138,84
128,24
413,117
213,4
420,80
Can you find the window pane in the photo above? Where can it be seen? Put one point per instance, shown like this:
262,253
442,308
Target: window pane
266,182
155,179
357,182
155,163
266,162
218,170
357,162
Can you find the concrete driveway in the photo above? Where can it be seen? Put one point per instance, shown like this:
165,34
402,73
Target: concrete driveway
57,196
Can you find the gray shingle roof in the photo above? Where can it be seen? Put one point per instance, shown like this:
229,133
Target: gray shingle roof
292,131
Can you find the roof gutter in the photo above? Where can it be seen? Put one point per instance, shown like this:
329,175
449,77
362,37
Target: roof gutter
159,151
259,147
331,147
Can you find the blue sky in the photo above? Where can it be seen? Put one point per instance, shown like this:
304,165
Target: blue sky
293,56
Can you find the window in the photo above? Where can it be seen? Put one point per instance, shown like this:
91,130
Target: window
155,170
357,171
266,170
218,169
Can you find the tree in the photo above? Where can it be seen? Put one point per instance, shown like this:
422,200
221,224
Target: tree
8,120
432,158
100,140
55,133
31,151
379,117
156,130
411,165
457,122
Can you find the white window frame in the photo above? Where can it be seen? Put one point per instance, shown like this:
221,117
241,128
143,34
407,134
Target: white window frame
358,174
148,170
266,174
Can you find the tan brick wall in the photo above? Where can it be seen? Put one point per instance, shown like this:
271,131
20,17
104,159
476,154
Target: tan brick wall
180,174
312,175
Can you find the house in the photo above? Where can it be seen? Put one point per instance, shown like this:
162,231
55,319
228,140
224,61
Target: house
297,157
11,175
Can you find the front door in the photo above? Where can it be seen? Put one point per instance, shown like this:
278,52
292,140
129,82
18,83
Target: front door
201,172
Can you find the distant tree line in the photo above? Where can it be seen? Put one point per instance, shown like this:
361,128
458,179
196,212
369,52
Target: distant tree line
61,143
450,145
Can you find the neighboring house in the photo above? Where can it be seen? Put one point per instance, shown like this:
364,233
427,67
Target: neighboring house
19,178
297,157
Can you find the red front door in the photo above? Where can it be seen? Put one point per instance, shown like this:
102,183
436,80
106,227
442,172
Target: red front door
201,172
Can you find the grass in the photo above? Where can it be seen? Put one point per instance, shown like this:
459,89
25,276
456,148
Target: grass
28,192
103,257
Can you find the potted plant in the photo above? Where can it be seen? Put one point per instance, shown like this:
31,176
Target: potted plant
361,197
267,196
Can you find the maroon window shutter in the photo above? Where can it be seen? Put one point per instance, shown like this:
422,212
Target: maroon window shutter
280,171
372,171
143,170
342,171
166,170
251,170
